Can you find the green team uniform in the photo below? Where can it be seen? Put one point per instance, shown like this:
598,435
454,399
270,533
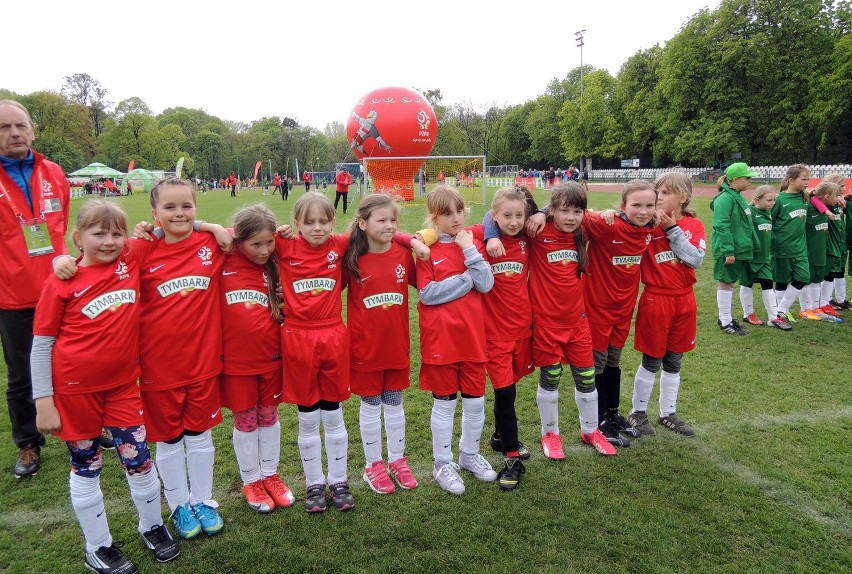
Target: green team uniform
847,221
732,234
835,255
789,246
816,234
760,266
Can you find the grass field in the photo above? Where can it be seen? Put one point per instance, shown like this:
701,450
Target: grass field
764,487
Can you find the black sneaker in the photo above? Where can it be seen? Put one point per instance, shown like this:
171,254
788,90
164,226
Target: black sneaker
733,328
341,496
106,439
509,476
109,560
315,498
840,305
160,543
29,461
623,426
497,445
610,431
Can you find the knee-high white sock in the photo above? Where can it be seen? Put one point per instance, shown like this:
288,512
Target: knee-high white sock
370,421
840,289
643,386
473,422
246,451
88,502
747,300
804,296
587,407
788,299
826,289
171,464
336,444
548,410
310,447
723,301
669,388
200,457
779,295
770,304
145,492
269,448
395,431
443,415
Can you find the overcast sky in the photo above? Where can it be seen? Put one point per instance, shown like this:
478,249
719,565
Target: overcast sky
312,59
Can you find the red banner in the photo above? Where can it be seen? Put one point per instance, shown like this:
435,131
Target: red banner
527,181
815,181
130,165
257,168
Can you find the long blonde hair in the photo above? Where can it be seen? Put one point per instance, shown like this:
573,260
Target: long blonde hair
679,183
793,172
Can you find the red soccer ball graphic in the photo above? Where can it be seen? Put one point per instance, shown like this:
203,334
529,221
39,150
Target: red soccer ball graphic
392,122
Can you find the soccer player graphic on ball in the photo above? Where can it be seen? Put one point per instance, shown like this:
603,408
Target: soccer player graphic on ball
367,130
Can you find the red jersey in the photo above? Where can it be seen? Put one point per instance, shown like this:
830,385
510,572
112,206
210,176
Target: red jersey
451,332
95,319
181,320
343,180
507,306
661,267
556,293
377,310
251,338
612,276
311,278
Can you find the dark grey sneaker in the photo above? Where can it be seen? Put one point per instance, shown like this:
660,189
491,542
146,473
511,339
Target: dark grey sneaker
29,461
109,560
676,424
315,498
639,421
341,496
161,544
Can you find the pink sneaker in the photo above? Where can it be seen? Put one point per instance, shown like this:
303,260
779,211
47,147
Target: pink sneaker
400,472
376,475
551,444
599,441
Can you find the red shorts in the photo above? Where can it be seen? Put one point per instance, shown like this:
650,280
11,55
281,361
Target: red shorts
316,364
571,345
82,415
606,335
372,383
193,407
665,322
241,392
509,361
466,376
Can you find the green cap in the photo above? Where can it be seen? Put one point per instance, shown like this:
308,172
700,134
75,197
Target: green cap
739,169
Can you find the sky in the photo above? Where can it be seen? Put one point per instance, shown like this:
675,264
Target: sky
312,60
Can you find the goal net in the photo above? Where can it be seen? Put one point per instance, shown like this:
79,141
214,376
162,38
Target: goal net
411,177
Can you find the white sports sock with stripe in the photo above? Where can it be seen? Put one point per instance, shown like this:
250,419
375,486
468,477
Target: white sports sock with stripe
269,448
171,464
310,447
548,410
200,460
643,386
145,492
840,290
587,409
88,502
747,300
770,304
473,422
395,431
723,301
669,389
336,444
443,415
370,421
246,452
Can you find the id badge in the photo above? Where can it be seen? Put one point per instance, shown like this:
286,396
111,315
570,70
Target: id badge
37,236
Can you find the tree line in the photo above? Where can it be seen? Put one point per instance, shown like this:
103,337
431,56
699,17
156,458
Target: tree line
769,81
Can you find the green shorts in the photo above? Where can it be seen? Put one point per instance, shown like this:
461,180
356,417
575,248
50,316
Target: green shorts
728,273
754,271
789,269
833,264
817,274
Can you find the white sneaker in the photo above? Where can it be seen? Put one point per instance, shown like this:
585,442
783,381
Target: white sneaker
477,464
448,477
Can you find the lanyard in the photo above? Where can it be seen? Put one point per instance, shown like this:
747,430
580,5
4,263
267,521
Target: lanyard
14,205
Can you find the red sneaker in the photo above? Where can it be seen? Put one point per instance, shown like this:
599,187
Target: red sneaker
278,491
376,475
401,473
551,444
599,441
829,310
753,319
257,497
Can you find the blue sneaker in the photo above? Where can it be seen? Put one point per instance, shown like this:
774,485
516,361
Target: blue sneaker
185,522
210,520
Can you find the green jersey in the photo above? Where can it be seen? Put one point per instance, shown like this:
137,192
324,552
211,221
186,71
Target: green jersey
836,232
816,232
732,230
788,225
761,219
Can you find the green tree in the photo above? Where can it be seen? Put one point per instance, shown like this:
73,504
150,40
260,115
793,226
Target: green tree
87,91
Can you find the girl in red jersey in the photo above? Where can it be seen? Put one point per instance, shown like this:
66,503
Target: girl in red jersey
667,315
84,370
452,338
379,272
250,384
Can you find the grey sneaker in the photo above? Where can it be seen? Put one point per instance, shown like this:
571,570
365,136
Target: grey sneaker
477,464
676,424
639,421
447,475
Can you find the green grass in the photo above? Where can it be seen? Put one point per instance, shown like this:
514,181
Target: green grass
765,486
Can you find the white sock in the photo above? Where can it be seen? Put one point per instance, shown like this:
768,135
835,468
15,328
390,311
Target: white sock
145,492
788,299
370,421
804,295
246,451
747,300
770,303
826,289
779,295
171,464
840,290
395,431
723,300
88,502
812,297
473,422
200,458
336,444
269,448
669,387
310,447
643,386
443,415
548,410
587,407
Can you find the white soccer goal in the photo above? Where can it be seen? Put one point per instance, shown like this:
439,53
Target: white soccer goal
414,176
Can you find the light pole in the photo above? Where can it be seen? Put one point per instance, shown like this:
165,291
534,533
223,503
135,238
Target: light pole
578,36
